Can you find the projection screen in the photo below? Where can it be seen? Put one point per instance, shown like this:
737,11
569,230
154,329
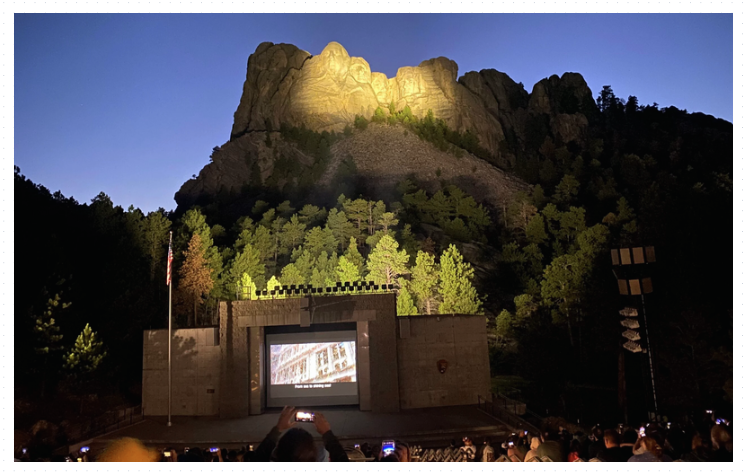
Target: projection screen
312,369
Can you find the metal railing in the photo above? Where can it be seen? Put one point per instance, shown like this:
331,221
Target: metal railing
108,422
507,411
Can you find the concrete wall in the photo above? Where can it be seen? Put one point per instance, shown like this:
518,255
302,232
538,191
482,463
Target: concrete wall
195,372
461,341
220,371
243,351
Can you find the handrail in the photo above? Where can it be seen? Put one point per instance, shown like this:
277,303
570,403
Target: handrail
499,408
104,423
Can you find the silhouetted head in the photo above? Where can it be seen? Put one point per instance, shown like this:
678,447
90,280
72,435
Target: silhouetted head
720,436
611,439
296,445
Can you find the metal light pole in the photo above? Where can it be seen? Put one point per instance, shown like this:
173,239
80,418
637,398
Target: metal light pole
649,350
169,334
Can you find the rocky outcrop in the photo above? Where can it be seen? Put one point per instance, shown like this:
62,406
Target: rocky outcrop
286,85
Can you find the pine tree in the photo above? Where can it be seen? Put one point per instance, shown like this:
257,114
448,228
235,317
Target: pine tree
424,281
155,238
387,219
292,234
290,275
357,211
378,116
353,256
347,271
272,283
264,243
386,262
311,215
456,289
195,276
246,288
194,222
405,304
83,360
248,261
340,226
47,339
85,356
566,191
319,240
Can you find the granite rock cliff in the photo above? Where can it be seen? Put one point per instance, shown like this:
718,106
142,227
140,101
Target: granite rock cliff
286,85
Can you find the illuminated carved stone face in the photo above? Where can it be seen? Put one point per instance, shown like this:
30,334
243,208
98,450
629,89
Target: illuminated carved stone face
442,366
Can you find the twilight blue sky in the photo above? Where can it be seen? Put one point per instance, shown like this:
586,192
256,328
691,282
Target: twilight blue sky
133,104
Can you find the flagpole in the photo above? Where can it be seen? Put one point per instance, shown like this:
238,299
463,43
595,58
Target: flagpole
169,336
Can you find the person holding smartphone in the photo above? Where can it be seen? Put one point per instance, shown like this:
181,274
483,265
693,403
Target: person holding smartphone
286,443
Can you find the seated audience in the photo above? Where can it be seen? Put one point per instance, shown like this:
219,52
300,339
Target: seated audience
533,451
612,451
720,439
647,449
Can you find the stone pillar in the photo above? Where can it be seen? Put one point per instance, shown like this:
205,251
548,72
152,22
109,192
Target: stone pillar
363,365
234,369
257,365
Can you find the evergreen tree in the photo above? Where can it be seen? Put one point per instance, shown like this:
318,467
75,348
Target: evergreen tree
319,240
311,215
292,234
456,289
424,282
566,191
192,223
378,116
386,262
354,257
272,283
405,304
85,357
195,281
340,226
357,211
373,240
155,239
47,339
290,275
276,227
409,242
83,360
246,288
387,219
347,271
248,261
264,243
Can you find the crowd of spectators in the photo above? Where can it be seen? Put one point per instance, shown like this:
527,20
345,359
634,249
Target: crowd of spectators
285,442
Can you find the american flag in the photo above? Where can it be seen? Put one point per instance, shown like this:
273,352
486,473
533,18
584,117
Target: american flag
169,261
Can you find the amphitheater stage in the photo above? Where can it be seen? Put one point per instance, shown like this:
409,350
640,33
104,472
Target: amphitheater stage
429,427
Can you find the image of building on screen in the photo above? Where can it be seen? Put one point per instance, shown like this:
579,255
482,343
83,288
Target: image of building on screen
318,362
